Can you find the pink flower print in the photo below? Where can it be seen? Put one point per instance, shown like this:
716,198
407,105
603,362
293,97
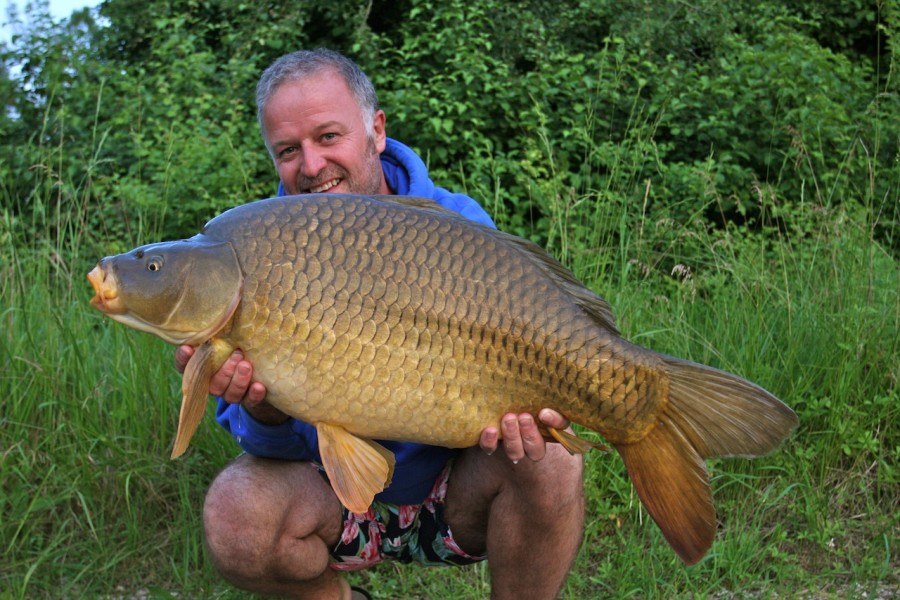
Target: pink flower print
371,553
407,514
351,525
351,529
450,543
394,543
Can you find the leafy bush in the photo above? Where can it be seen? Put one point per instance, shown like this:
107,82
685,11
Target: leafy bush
538,112
725,173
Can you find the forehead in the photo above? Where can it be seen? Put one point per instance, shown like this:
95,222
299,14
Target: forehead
323,93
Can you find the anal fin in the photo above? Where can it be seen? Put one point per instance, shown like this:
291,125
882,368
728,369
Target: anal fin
573,443
357,468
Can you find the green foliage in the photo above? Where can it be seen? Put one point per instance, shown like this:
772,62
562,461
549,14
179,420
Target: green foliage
725,173
742,93
507,102
90,504
172,121
850,26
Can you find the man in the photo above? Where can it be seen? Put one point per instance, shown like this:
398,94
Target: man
275,526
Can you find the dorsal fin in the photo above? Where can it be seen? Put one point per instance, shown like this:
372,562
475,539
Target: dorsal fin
595,306
417,202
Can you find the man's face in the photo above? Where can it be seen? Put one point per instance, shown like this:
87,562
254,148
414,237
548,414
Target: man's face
318,139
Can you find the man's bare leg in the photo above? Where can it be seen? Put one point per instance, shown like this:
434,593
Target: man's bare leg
528,517
269,528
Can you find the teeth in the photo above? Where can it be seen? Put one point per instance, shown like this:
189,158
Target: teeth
325,186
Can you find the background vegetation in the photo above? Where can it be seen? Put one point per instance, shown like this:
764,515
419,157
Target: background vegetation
725,173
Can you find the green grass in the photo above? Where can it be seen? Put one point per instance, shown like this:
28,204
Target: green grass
91,506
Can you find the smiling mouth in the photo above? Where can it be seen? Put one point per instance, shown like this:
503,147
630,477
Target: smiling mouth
325,186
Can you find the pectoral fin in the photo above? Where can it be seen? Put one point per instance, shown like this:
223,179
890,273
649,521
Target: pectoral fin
195,389
357,468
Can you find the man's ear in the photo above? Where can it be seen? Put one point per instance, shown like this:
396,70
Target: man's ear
378,131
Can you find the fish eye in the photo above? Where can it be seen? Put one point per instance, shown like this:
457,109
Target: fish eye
154,264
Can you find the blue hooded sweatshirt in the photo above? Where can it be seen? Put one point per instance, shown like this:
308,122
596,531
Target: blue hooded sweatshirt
418,465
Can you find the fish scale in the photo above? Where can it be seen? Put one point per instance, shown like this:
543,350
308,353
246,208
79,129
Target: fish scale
393,318
476,297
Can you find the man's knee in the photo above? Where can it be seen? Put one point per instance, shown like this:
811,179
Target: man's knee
259,513
232,526
561,485
568,468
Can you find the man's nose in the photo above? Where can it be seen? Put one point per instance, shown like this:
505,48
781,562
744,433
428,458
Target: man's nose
313,161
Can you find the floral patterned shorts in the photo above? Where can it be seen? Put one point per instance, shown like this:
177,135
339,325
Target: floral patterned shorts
405,533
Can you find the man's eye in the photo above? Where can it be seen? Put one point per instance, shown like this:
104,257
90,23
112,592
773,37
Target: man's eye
287,151
329,137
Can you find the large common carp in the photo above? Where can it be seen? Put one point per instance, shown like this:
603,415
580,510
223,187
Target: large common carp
393,318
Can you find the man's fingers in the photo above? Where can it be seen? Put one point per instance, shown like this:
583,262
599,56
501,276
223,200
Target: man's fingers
223,379
532,441
240,383
522,437
512,438
256,393
551,418
182,355
490,439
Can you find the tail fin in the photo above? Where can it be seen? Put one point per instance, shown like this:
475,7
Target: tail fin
722,414
710,413
672,483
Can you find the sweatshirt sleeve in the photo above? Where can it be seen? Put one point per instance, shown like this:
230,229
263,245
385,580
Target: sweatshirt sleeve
292,440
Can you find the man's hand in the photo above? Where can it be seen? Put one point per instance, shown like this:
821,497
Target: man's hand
521,436
234,383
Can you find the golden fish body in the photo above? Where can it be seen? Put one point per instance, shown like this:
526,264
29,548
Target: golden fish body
363,315
392,318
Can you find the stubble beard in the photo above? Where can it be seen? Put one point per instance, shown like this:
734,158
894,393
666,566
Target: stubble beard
368,183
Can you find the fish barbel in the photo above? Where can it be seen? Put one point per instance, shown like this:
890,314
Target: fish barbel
393,318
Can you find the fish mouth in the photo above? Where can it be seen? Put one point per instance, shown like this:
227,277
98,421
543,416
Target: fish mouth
106,293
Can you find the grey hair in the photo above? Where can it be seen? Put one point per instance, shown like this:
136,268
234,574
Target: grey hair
305,63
